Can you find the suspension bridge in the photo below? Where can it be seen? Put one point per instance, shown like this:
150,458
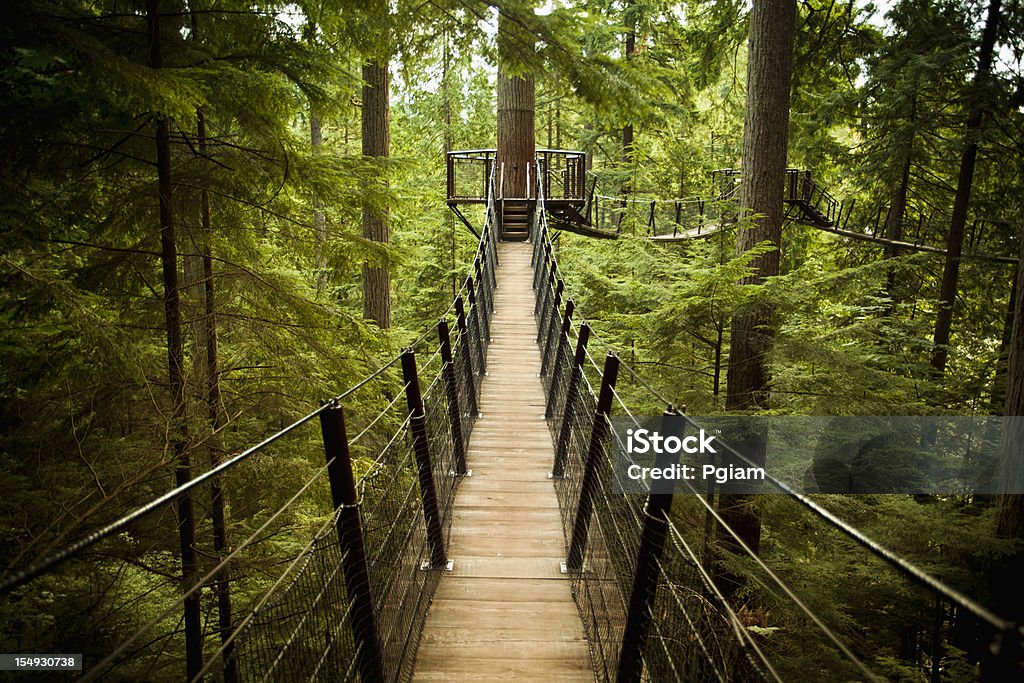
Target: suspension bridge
468,529
574,207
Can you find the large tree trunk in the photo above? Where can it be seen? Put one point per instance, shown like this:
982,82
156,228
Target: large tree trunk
1010,515
962,198
376,144
175,364
765,139
516,111
1005,578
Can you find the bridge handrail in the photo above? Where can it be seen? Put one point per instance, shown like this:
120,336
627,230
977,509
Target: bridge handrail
52,561
448,392
548,273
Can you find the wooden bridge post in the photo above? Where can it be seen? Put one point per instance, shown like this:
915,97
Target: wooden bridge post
369,658
467,358
581,523
559,354
571,399
421,449
451,385
648,556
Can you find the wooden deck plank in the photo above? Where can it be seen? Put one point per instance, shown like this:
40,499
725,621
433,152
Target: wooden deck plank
505,611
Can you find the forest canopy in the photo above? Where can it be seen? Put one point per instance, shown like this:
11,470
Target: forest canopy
216,214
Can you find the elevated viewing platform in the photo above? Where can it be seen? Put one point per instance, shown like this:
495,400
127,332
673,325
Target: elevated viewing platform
562,175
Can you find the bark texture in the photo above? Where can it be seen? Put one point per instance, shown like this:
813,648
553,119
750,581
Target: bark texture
218,512
175,363
376,144
516,112
962,198
1010,513
765,140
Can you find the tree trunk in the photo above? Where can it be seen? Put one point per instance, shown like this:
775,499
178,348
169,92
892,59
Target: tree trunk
627,130
175,364
898,209
449,145
997,400
962,198
1010,515
516,112
316,140
218,515
765,138
1005,578
894,228
376,144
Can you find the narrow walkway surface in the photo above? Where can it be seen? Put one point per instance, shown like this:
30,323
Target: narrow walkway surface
505,612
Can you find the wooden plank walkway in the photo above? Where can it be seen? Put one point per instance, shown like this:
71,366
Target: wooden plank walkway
506,612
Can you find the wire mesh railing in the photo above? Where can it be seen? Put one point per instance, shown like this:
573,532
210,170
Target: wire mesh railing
330,567
656,579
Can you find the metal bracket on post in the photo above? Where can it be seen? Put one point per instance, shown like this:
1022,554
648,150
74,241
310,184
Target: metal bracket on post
369,656
581,522
420,447
645,578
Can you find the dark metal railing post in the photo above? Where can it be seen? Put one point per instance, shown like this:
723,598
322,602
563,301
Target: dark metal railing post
451,385
560,350
581,523
369,657
571,399
541,268
476,326
550,311
552,339
549,324
421,449
484,296
648,557
493,251
467,358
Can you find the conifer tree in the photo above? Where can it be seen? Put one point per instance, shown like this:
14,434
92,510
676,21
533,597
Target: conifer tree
962,197
765,134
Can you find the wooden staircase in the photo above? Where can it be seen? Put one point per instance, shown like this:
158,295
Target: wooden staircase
515,219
